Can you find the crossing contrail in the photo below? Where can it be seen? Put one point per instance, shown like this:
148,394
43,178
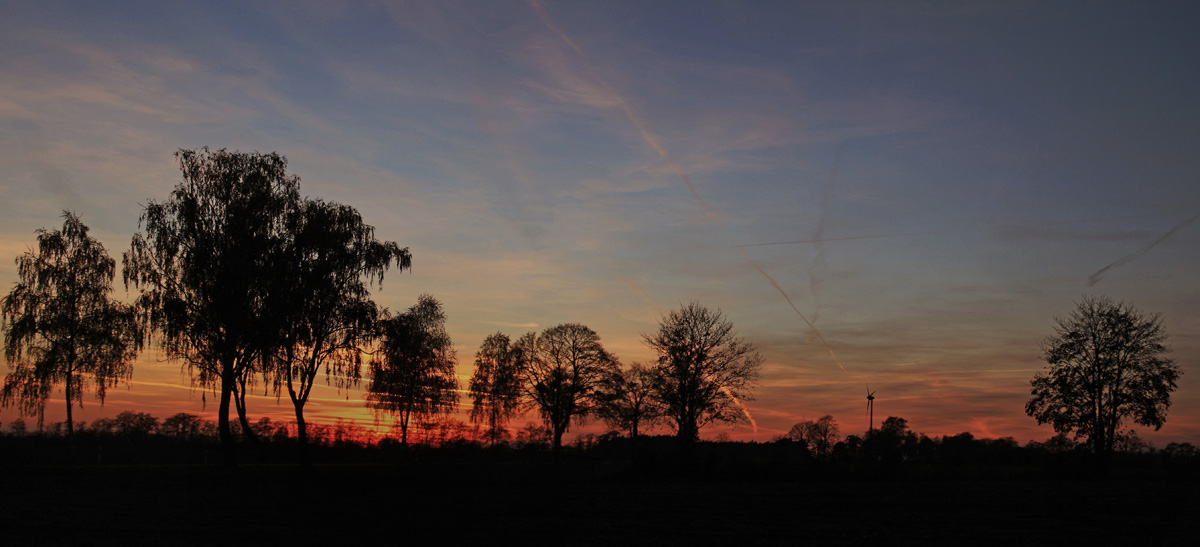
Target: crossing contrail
1099,275
795,309
820,265
634,117
818,239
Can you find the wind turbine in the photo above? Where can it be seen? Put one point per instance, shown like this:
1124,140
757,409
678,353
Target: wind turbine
870,409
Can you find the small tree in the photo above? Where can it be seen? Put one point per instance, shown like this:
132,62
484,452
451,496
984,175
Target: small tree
182,426
892,442
625,399
1106,366
562,368
413,375
496,385
61,327
703,370
132,423
818,435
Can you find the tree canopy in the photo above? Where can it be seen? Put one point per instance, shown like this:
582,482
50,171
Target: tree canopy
818,435
562,367
495,386
703,370
625,399
204,265
1107,365
60,325
322,299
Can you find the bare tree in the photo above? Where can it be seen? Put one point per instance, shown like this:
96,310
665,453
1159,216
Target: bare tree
1107,365
496,385
562,368
60,326
413,374
819,435
625,399
704,370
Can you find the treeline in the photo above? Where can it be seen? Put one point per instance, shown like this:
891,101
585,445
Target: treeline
890,450
247,283
895,445
250,286
188,427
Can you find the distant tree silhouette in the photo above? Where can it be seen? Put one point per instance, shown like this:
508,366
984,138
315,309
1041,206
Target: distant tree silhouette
326,311
818,435
893,442
703,368
60,326
182,426
562,368
625,399
1180,451
204,267
1106,366
132,423
496,385
533,436
412,374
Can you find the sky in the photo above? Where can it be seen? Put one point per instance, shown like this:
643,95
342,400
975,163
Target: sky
900,195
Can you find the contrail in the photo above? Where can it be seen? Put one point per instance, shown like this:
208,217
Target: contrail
745,411
1099,275
948,231
820,264
637,291
795,309
630,113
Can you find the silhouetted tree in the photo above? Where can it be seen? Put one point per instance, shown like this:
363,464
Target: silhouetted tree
892,442
413,373
324,272
562,367
704,369
1106,366
625,399
818,435
132,423
60,326
496,385
204,267
532,436
181,426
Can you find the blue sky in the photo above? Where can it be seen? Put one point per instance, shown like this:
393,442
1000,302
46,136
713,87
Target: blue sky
954,172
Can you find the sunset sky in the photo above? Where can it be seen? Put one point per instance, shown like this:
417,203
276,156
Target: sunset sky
929,183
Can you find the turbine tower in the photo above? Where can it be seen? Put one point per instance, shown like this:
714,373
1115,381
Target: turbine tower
870,409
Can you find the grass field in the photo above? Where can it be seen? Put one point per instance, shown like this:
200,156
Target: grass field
541,504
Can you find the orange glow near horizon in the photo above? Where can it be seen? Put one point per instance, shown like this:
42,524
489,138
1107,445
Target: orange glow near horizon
328,406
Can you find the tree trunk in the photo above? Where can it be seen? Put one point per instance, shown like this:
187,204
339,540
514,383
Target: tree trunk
687,444
227,450
67,393
558,435
301,433
240,403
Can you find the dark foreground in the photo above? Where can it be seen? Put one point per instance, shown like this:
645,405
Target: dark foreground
576,504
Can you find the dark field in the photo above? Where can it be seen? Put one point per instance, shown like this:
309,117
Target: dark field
577,503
